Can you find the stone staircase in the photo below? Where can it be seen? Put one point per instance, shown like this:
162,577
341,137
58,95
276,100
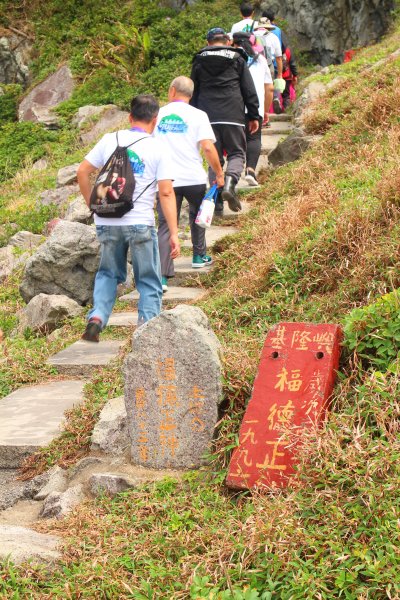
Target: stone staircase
32,416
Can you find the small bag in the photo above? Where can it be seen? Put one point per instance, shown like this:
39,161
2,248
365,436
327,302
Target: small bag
113,190
207,207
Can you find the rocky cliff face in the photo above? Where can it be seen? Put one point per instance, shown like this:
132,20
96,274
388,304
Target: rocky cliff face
326,28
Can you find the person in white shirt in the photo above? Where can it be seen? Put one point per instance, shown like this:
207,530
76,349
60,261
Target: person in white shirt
247,23
135,230
274,49
261,74
185,130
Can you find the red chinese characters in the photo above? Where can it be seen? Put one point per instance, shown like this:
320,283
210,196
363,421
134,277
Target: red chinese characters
292,389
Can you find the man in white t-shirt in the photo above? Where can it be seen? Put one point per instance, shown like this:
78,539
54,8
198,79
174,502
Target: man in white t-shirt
247,23
185,130
135,230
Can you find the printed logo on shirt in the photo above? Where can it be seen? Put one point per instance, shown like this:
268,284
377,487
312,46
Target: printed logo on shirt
172,124
136,162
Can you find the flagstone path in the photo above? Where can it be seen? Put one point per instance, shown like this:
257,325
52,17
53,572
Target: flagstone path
33,415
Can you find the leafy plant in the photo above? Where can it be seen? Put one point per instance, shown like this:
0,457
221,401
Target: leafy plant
9,96
373,331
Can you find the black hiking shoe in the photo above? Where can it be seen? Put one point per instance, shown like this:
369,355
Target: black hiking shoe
229,194
219,204
92,331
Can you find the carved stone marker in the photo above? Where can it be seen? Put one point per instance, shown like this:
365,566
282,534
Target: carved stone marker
291,393
172,389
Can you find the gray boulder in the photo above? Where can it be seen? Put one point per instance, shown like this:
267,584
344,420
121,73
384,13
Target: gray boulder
112,118
65,264
57,482
78,212
44,313
37,105
58,196
311,93
110,434
67,175
110,483
86,113
291,148
59,504
21,545
172,389
26,240
10,260
15,53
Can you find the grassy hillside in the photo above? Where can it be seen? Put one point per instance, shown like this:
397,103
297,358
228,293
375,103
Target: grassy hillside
321,244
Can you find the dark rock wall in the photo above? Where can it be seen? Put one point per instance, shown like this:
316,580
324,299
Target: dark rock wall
326,28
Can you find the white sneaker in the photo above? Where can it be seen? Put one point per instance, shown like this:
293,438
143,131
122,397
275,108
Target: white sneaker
250,177
164,282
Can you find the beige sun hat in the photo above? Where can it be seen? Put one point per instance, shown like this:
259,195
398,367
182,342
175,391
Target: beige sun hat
265,23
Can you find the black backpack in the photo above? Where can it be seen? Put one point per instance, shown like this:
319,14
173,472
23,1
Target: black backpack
113,190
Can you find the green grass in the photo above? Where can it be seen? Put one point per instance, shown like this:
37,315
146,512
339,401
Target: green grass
320,241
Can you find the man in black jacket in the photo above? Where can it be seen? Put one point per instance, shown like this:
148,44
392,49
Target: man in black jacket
223,87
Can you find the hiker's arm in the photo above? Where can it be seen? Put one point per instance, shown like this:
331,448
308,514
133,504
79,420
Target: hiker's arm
279,64
168,205
85,169
211,155
268,97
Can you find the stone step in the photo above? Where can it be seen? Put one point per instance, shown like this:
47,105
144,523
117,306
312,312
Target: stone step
283,117
184,271
228,214
269,142
82,357
214,234
284,127
123,319
31,418
174,295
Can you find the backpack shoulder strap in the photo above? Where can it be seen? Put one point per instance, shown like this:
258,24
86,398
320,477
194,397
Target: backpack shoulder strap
139,140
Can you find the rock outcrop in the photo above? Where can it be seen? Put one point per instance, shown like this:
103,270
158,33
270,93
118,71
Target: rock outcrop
326,28
15,53
65,264
45,313
37,104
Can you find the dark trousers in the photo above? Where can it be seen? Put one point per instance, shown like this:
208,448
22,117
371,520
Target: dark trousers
253,145
286,94
232,140
194,194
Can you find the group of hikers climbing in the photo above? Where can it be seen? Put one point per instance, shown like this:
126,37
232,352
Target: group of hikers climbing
218,113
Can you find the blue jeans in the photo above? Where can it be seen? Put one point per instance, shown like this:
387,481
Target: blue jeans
115,241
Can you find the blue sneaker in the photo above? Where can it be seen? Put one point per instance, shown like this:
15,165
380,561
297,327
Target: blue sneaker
164,282
198,262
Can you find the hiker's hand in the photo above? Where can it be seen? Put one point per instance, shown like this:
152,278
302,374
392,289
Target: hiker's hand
175,246
294,82
220,180
253,126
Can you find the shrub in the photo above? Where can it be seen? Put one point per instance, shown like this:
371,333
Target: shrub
373,331
9,102
18,141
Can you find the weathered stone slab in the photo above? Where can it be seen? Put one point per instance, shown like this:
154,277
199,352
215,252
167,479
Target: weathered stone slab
21,544
228,214
291,148
172,389
54,89
65,264
59,504
26,240
45,312
291,394
111,119
78,212
67,175
82,357
57,482
123,319
58,196
110,483
214,234
178,294
110,434
31,417
10,260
